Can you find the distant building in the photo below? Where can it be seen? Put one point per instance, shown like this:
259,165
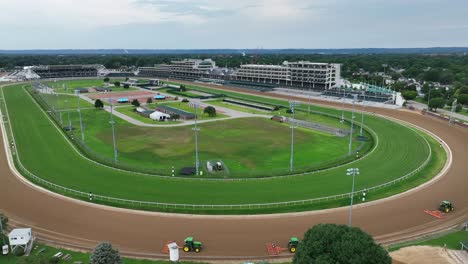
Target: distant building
296,74
301,74
64,71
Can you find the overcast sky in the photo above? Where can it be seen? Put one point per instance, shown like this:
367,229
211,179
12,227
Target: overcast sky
207,24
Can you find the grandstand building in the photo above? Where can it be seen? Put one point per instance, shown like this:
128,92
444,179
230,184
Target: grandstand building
64,71
188,69
301,74
160,70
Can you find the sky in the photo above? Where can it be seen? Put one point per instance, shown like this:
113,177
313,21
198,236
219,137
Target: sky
234,24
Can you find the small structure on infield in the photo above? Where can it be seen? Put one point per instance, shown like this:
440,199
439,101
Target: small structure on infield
122,100
20,238
160,97
159,116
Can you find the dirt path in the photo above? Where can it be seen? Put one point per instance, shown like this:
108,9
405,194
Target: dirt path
143,234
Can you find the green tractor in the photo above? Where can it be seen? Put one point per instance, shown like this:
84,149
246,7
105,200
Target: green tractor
190,245
446,206
292,244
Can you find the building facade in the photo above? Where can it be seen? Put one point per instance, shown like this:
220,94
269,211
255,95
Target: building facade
301,74
65,71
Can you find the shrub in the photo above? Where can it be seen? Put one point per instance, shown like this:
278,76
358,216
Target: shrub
185,100
105,254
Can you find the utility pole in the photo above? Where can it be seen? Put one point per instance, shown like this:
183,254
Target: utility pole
352,172
362,112
428,98
342,105
77,92
195,105
352,126
112,122
68,112
292,105
454,106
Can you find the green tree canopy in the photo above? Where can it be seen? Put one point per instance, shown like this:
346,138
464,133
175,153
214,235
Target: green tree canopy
106,79
98,103
149,100
210,110
436,103
105,254
330,243
463,99
136,103
117,84
409,95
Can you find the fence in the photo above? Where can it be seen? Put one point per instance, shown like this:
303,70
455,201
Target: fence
14,157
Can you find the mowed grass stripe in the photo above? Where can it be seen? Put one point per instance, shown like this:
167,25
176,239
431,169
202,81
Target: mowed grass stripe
46,153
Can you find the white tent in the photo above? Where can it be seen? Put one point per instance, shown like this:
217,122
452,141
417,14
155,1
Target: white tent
20,237
159,116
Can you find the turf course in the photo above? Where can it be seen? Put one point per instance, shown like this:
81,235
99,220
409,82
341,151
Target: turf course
45,152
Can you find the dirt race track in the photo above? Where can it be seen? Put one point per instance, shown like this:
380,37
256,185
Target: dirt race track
142,234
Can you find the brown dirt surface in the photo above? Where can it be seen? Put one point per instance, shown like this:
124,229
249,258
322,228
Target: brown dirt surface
114,96
82,225
423,255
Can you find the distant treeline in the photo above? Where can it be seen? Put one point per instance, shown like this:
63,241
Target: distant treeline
446,69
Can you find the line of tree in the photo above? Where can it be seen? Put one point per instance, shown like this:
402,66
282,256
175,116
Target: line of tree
445,69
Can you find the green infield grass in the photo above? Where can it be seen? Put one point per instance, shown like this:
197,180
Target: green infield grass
47,153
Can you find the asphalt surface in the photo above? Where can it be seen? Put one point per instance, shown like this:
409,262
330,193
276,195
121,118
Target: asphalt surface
82,225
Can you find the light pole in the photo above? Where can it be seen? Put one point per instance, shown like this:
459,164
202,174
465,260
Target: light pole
77,92
362,112
292,105
195,105
352,126
352,172
342,106
68,112
454,106
112,122
428,98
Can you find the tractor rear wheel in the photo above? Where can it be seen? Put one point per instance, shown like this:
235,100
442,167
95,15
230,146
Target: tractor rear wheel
292,249
186,249
446,210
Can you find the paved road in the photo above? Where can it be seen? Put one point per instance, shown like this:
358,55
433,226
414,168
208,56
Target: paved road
68,221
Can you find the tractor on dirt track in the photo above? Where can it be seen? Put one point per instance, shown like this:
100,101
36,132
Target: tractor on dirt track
292,244
191,245
446,206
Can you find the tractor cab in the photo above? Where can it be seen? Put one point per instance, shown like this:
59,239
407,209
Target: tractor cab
191,245
292,244
446,206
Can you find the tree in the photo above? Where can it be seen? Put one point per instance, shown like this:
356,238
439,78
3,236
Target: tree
105,254
149,100
117,84
463,99
182,88
330,243
211,111
436,103
175,117
98,103
409,95
106,79
4,220
126,86
135,102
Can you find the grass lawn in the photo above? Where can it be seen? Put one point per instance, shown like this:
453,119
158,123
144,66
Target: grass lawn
71,85
46,153
186,107
59,101
451,241
44,252
129,111
219,102
180,94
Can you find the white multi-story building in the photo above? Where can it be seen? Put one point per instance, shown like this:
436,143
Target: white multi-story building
192,68
298,74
